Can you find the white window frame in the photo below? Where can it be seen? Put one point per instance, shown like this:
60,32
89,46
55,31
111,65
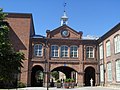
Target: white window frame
73,52
89,52
64,52
54,51
38,50
101,51
101,73
108,48
117,43
117,70
109,71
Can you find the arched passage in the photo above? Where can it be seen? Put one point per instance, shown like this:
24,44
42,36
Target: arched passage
65,72
89,73
37,76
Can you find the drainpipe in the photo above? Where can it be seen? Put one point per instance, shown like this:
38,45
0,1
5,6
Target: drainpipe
103,65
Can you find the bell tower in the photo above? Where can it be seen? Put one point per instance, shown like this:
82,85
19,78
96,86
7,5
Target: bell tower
64,18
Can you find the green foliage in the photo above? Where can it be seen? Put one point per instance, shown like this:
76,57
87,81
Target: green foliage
39,75
58,81
72,80
10,61
55,74
2,15
21,85
67,80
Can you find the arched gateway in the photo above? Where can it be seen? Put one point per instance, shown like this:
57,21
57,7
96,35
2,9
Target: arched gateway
37,76
67,71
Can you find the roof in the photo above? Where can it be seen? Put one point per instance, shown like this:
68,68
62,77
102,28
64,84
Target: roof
109,33
22,15
38,36
68,27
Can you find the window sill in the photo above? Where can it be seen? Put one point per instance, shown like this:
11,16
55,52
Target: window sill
117,53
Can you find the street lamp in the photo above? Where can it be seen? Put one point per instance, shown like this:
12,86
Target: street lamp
16,80
46,65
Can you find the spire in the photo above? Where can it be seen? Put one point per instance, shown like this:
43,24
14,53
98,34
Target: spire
64,18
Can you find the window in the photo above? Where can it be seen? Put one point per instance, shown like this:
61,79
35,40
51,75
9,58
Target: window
89,52
101,73
74,51
118,70
117,43
109,72
108,50
64,51
101,51
38,50
54,51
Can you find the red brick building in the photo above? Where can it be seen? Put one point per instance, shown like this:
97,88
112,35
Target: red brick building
64,50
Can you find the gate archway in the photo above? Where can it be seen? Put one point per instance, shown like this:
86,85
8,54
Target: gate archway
65,72
89,73
37,76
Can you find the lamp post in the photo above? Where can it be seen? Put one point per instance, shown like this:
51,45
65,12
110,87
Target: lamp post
16,80
46,64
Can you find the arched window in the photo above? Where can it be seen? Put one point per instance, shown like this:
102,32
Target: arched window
117,43
64,51
38,50
89,52
74,51
54,51
118,70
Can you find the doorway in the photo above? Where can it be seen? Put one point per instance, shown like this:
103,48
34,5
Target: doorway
89,74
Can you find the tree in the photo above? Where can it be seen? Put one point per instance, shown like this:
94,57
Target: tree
55,74
10,61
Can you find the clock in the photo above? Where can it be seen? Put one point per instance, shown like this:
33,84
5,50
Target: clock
65,33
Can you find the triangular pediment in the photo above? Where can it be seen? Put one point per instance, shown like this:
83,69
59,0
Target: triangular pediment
64,32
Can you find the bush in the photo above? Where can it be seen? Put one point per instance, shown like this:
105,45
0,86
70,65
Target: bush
21,85
67,80
58,81
72,80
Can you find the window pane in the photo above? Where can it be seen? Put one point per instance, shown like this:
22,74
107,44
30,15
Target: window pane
54,51
89,52
101,73
108,51
118,70
38,49
64,51
117,43
109,72
74,51
101,51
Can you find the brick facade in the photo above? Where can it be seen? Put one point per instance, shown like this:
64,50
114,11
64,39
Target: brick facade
24,39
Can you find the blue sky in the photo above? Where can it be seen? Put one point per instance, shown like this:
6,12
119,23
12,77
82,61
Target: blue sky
93,17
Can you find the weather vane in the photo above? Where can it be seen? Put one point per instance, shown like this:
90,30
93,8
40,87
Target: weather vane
64,5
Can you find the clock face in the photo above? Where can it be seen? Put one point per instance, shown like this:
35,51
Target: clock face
65,33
